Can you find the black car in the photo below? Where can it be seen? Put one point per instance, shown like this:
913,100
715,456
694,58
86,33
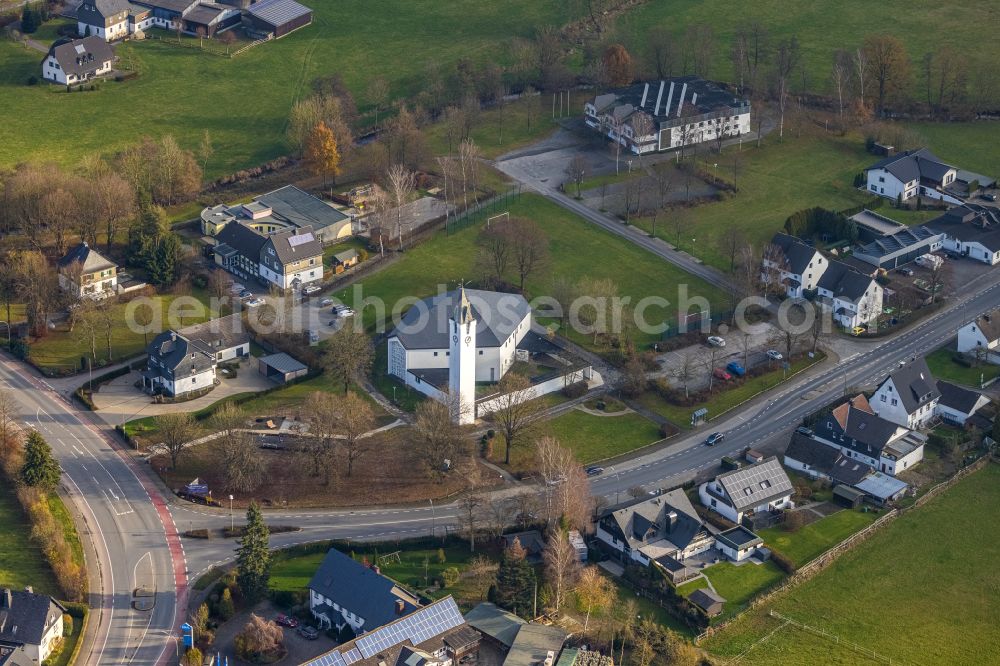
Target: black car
802,430
989,196
715,438
594,471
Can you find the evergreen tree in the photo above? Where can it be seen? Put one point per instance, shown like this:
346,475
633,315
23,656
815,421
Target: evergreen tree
40,470
515,586
29,19
253,560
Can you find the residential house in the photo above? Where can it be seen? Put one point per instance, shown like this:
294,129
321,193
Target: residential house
912,173
738,543
663,531
344,591
899,248
755,489
819,460
855,299
958,404
981,337
224,338
859,433
908,396
74,61
707,601
285,208
86,273
971,230
275,18
522,643
798,266
434,635
668,114
31,627
175,367
287,258
106,20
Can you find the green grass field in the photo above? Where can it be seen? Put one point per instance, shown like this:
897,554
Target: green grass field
967,145
943,367
927,576
21,561
577,248
816,538
397,40
739,584
918,24
594,438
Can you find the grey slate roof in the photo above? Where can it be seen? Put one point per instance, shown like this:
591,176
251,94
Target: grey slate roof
176,358
914,383
493,621
645,521
81,56
958,398
705,598
178,6
425,325
25,615
217,334
971,223
826,459
278,12
843,281
295,206
913,165
90,260
989,324
294,244
799,254
96,12
243,239
533,643
756,484
360,590
282,362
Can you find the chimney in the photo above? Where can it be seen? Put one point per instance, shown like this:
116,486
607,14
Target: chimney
671,520
659,96
645,91
400,607
6,598
670,97
29,589
694,98
680,102
173,336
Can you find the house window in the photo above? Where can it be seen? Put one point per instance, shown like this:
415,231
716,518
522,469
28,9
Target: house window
480,352
882,397
435,353
895,402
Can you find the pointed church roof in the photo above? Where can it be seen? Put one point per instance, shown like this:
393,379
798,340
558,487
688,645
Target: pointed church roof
426,324
463,309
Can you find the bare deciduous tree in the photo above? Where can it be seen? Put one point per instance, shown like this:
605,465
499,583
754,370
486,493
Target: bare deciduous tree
562,566
401,183
516,411
529,247
439,438
174,431
469,506
576,170
685,370
243,468
349,355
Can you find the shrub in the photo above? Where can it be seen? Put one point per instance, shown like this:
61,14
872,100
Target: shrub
201,533
67,624
32,80
441,557
782,561
20,349
575,390
193,657
666,430
450,576
225,608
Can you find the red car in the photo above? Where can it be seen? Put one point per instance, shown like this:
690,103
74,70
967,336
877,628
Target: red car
719,373
287,621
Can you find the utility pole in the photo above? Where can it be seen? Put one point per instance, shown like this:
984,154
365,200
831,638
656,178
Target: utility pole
232,526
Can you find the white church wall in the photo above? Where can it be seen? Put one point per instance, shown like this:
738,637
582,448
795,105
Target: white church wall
538,390
425,388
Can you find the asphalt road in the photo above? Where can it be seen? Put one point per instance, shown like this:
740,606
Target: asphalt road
121,519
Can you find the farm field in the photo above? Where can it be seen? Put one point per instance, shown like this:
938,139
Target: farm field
917,24
871,596
421,35
578,249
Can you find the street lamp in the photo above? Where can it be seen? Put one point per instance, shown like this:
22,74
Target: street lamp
232,526
433,519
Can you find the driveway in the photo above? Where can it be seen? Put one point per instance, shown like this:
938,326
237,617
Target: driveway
299,649
120,401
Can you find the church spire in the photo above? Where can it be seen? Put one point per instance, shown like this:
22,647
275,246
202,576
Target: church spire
463,311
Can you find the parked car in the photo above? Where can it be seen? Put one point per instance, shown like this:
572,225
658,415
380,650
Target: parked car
342,311
310,289
246,293
254,302
952,255
719,373
774,355
858,330
715,438
716,341
908,272
736,368
594,471
308,633
286,621
988,196
326,302
802,430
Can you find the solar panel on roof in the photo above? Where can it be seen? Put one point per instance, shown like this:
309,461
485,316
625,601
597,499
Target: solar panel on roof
301,239
81,49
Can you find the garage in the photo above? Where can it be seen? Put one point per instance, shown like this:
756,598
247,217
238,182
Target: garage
276,18
281,368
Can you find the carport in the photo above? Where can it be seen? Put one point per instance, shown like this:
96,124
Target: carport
281,367
847,496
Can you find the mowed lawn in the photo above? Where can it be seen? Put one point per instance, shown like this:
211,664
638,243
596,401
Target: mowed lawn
593,438
944,367
774,181
578,250
919,24
184,91
930,576
970,145
814,539
21,561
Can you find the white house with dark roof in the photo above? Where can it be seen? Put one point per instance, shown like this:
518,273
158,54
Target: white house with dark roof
105,19
859,433
971,230
957,403
344,591
70,62
86,273
288,258
908,396
660,531
30,627
738,543
668,114
855,299
912,173
185,361
821,460
799,266
981,336
756,489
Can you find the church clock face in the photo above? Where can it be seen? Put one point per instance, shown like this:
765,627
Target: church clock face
468,339
454,338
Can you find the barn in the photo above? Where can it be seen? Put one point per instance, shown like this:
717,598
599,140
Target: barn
276,17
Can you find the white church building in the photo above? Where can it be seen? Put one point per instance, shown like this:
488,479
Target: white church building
447,344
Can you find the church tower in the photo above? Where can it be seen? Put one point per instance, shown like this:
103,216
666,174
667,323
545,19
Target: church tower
462,360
